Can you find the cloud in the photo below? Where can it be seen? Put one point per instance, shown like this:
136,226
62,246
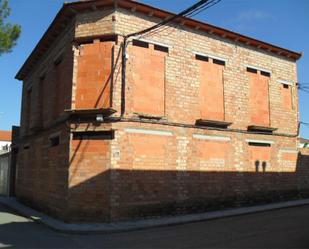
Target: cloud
243,21
253,15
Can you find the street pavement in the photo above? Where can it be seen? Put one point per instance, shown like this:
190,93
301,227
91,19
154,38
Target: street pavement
285,228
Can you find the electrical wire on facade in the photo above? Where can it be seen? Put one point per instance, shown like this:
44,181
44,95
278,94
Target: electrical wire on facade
189,15
306,90
192,10
209,4
183,13
303,86
304,123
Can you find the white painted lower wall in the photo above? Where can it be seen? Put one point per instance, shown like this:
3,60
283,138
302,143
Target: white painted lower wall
5,146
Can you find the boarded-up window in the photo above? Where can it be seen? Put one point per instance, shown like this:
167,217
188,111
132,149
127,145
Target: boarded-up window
89,160
289,156
260,155
286,95
212,155
258,99
148,79
146,155
211,93
94,75
141,147
289,161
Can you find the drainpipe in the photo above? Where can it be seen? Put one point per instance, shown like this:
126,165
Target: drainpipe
123,75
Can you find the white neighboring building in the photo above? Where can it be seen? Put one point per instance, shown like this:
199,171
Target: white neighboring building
303,143
5,141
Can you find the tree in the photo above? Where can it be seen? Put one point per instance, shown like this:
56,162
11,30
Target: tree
9,32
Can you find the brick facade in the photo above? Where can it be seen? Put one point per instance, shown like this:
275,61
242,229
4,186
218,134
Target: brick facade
155,160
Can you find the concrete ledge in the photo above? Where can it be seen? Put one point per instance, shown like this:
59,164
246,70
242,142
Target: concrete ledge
139,224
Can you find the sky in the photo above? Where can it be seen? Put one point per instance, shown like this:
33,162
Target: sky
281,22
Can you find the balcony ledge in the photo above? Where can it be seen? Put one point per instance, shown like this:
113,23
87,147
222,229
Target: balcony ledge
212,123
91,111
265,129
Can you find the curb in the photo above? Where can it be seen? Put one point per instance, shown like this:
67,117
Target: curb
61,226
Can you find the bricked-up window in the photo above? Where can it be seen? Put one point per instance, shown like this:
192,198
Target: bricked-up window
211,91
148,78
58,71
94,75
28,109
37,105
148,156
288,156
259,156
258,97
212,155
40,103
286,96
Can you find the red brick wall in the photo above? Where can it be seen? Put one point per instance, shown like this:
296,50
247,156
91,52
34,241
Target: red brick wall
211,155
88,181
146,71
163,170
51,94
211,91
259,99
260,157
286,94
93,77
171,166
42,172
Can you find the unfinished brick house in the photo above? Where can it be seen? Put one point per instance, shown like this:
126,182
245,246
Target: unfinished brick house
202,118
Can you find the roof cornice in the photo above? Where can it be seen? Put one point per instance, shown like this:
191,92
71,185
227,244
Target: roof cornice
69,10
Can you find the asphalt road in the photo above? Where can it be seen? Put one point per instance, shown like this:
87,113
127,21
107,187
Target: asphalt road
285,228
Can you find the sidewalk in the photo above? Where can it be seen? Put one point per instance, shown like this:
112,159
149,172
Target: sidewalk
138,224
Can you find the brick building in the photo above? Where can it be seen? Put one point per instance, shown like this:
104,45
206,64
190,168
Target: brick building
203,117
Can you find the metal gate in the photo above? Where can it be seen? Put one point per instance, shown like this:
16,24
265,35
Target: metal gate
5,174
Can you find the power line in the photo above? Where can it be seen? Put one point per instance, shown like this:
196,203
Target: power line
304,123
171,19
191,14
303,87
157,30
304,90
199,6
211,3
